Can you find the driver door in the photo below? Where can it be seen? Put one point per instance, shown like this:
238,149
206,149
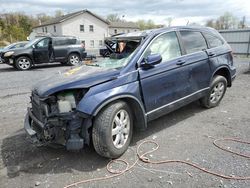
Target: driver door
167,82
41,51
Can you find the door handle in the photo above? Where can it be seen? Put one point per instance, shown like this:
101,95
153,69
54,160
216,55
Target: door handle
180,62
211,54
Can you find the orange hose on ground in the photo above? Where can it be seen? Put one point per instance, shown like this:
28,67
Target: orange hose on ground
143,157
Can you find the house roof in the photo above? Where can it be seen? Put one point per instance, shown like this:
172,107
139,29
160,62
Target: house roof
123,25
69,16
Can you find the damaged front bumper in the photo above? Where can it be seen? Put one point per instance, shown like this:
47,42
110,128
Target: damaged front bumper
72,133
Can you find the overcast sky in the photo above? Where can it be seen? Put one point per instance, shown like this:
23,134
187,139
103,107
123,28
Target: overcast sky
181,11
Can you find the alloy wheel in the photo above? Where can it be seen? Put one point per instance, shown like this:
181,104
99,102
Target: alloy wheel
120,128
74,60
24,64
217,92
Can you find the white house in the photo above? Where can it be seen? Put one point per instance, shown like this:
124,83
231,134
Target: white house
90,28
122,27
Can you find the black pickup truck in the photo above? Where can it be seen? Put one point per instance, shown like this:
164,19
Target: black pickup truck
67,50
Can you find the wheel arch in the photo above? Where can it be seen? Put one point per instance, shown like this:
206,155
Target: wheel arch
24,55
140,121
74,52
224,71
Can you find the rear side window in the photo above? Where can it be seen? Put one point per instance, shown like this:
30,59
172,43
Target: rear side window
213,41
193,41
62,42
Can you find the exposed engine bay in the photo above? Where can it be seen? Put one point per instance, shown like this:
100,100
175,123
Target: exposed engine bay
56,121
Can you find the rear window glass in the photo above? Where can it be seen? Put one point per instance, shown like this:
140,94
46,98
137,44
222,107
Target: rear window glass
213,41
193,41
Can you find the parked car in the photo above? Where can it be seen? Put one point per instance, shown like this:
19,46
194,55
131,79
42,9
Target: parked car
106,101
67,50
12,46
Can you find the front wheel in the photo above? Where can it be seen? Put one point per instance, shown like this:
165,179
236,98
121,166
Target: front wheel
112,130
22,63
217,90
74,59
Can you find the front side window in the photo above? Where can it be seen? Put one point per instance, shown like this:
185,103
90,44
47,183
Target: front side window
213,41
91,28
193,41
167,45
43,43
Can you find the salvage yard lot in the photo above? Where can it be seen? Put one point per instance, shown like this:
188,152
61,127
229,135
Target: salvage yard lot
185,134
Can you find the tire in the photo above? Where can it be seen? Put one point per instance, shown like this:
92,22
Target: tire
218,88
23,63
74,59
107,123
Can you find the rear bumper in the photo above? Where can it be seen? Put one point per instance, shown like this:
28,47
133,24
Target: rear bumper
233,74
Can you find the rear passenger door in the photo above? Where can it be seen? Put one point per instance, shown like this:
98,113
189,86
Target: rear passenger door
61,48
217,52
196,59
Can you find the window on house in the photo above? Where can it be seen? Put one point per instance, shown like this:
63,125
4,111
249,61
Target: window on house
91,28
135,30
115,31
46,30
92,43
81,28
54,28
43,29
128,31
100,43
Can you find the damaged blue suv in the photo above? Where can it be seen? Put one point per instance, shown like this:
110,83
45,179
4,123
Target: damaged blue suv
149,74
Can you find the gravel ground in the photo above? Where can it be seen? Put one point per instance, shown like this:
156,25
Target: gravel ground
184,134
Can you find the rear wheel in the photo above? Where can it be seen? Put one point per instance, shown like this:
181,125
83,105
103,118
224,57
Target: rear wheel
23,63
74,59
112,130
216,93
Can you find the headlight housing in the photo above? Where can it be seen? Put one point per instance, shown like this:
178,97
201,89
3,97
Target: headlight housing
8,54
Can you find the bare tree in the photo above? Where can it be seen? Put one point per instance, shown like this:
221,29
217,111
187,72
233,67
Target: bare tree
226,21
113,18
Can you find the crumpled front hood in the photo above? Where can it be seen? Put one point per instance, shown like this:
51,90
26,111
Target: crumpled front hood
78,77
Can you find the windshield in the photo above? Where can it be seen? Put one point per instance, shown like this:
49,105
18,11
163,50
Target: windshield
120,53
32,42
9,46
111,63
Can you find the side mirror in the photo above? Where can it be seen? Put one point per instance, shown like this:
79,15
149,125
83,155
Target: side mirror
151,60
33,46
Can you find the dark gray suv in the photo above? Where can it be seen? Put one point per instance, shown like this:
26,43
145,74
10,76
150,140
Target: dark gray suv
67,50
